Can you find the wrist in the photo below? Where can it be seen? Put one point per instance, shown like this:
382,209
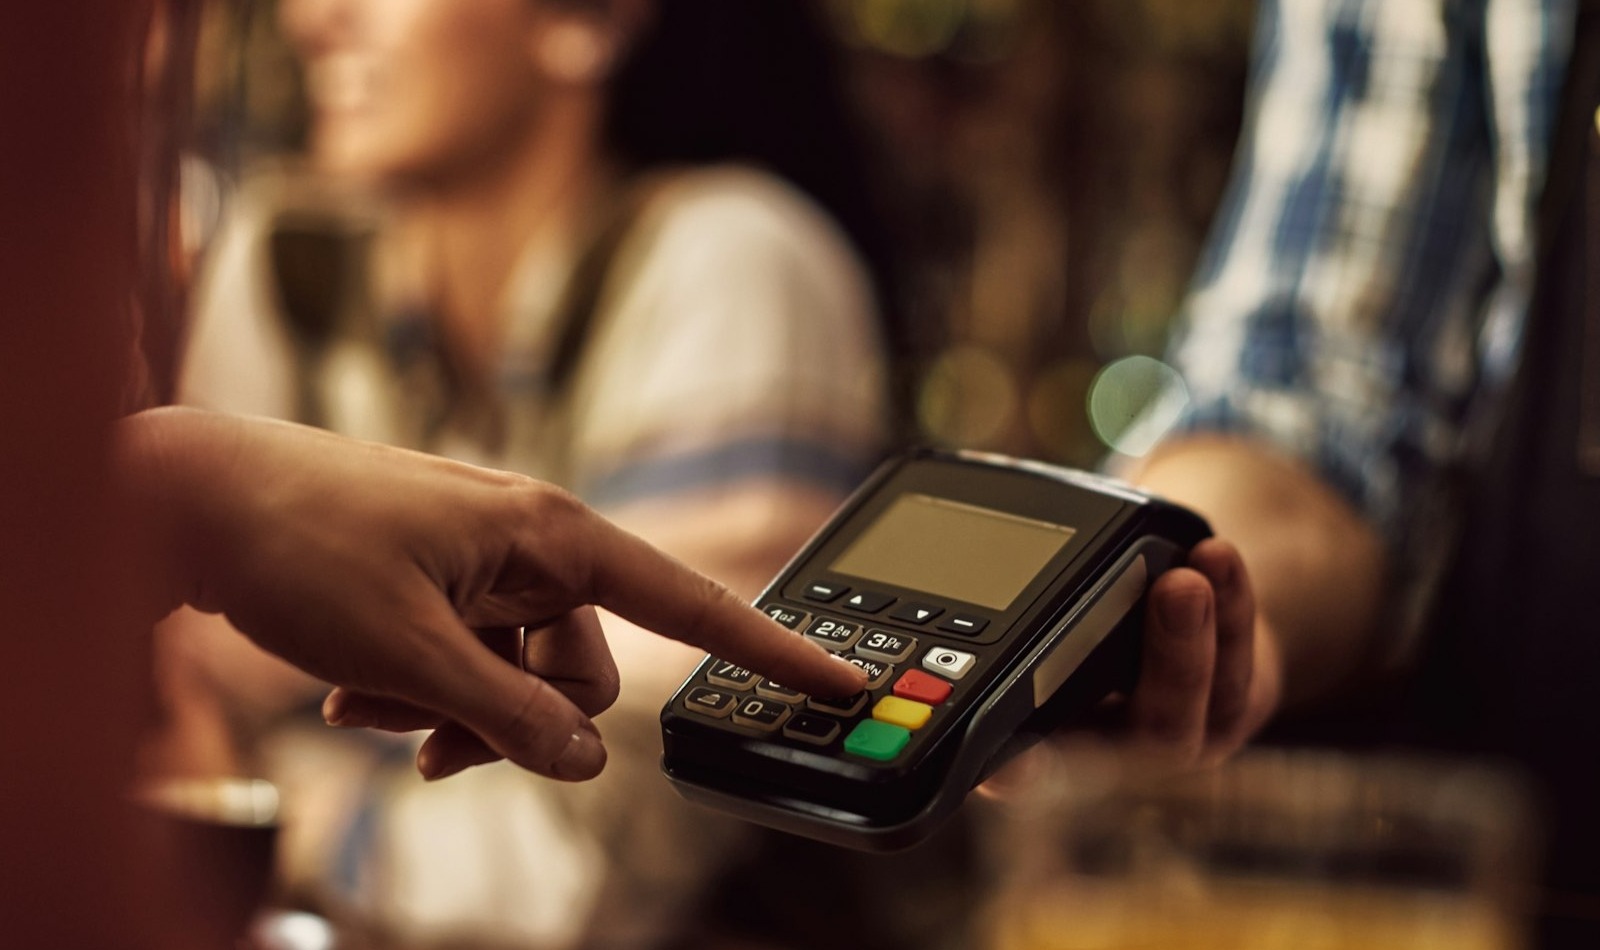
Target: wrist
170,462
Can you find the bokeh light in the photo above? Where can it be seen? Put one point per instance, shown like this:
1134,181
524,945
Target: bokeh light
1055,411
969,398
1133,402
913,30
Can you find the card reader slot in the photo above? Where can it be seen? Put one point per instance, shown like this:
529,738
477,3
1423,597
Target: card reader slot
1078,637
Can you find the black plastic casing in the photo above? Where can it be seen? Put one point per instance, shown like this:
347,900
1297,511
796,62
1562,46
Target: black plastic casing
1066,642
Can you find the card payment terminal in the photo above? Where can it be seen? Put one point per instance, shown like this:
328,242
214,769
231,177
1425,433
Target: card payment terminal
988,599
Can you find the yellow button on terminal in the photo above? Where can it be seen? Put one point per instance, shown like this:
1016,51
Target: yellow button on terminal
905,713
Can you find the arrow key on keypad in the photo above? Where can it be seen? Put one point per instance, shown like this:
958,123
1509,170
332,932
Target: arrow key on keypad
913,612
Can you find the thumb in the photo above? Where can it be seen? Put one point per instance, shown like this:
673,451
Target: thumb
534,725
518,715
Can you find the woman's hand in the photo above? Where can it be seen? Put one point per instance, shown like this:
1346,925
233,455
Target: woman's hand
372,568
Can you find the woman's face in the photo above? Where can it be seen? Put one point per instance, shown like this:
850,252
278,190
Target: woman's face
415,89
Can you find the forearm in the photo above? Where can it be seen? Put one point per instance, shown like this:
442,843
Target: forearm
1318,568
208,485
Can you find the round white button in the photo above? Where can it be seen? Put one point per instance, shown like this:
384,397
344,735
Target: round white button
948,662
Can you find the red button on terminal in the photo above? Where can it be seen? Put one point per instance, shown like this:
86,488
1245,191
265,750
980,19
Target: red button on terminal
922,687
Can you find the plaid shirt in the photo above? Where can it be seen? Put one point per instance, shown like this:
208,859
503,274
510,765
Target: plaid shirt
1362,300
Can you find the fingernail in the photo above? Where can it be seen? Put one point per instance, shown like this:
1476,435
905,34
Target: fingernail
334,712
859,673
583,758
1183,613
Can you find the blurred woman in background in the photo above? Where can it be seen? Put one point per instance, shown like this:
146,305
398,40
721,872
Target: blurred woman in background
617,244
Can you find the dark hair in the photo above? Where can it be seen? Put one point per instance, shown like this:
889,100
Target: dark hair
753,81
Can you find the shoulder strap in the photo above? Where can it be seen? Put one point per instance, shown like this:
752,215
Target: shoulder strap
579,305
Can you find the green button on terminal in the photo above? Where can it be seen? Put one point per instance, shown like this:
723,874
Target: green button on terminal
872,739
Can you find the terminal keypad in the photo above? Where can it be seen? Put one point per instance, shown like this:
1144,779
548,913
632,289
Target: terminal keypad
909,680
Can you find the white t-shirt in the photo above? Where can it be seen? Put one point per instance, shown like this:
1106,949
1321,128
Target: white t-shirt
735,336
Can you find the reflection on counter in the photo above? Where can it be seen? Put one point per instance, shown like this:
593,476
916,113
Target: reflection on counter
1276,851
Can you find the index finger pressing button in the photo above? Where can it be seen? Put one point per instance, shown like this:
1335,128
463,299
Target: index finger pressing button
839,707
877,671
783,694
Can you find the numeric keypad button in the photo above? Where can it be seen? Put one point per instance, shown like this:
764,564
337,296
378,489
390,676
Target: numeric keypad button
886,645
782,694
786,616
730,676
878,672
837,635
764,715
843,708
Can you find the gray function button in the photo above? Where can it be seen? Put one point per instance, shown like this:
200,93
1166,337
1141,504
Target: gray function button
867,601
947,662
834,634
730,675
710,702
878,672
782,694
824,592
787,616
816,730
886,645
762,714
965,624
916,613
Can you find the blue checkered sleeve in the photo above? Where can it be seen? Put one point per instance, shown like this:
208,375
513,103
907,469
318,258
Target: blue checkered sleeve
1360,302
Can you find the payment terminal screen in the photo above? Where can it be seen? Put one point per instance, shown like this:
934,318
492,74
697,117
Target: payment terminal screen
955,550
